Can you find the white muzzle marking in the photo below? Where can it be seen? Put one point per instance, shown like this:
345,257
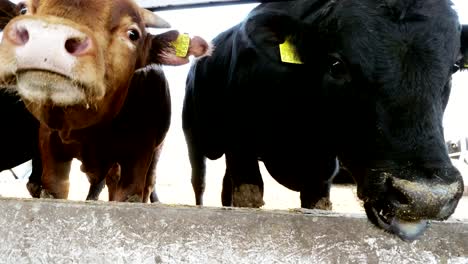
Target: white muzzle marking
45,52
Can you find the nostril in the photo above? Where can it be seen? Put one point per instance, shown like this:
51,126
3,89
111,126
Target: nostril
77,46
18,35
396,195
447,209
23,35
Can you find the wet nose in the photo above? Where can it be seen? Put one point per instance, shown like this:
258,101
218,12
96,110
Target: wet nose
77,46
40,34
424,200
47,45
19,36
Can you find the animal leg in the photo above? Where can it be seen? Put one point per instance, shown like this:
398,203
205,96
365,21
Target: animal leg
96,176
198,164
56,165
34,184
55,180
126,180
95,190
150,186
316,194
226,192
247,183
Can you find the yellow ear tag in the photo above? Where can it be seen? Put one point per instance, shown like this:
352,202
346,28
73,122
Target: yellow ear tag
288,53
181,45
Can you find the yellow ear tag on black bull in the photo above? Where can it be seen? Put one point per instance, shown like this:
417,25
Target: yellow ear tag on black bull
181,45
288,53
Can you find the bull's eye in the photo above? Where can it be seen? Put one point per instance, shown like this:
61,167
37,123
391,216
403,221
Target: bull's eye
336,67
133,34
23,9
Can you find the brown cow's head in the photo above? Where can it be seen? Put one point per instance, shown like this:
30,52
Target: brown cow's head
71,60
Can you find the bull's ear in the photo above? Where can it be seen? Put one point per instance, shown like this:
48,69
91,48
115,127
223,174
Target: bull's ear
173,48
267,33
7,12
269,29
464,47
276,29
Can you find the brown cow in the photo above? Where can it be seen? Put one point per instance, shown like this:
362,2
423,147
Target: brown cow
85,70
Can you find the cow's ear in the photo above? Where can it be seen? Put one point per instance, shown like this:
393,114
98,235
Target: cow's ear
7,12
174,48
464,47
269,29
274,35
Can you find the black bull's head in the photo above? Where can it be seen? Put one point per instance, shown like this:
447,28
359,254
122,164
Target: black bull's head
384,70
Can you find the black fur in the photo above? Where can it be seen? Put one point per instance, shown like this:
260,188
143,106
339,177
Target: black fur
372,92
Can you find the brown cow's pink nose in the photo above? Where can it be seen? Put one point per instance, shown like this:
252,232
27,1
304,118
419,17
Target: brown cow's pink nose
54,37
18,35
77,47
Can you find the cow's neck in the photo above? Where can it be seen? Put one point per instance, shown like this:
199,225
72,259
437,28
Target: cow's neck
69,136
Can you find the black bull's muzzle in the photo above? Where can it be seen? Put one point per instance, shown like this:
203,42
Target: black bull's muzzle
403,200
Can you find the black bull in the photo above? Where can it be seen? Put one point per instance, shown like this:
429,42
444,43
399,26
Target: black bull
19,133
371,91
19,139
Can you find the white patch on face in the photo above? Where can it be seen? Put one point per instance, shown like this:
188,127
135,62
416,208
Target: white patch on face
42,86
45,68
45,48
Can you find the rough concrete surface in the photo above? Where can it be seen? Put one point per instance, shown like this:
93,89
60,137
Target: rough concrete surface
46,231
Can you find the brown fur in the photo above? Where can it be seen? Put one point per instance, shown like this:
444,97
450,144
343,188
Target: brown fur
121,151
109,131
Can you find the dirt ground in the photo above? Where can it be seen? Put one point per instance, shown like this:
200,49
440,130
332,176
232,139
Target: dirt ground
174,187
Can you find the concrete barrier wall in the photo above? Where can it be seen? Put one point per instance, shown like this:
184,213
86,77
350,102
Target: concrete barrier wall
46,231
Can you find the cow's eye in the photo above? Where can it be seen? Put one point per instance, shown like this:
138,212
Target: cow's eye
336,67
23,9
133,34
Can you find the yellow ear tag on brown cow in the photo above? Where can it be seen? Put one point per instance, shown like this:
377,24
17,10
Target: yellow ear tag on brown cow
288,53
181,45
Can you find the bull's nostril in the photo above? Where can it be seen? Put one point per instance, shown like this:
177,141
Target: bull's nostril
23,35
447,209
77,46
19,36
396,195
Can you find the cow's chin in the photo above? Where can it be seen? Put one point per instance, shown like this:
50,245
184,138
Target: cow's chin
384,218
57,101
42,87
